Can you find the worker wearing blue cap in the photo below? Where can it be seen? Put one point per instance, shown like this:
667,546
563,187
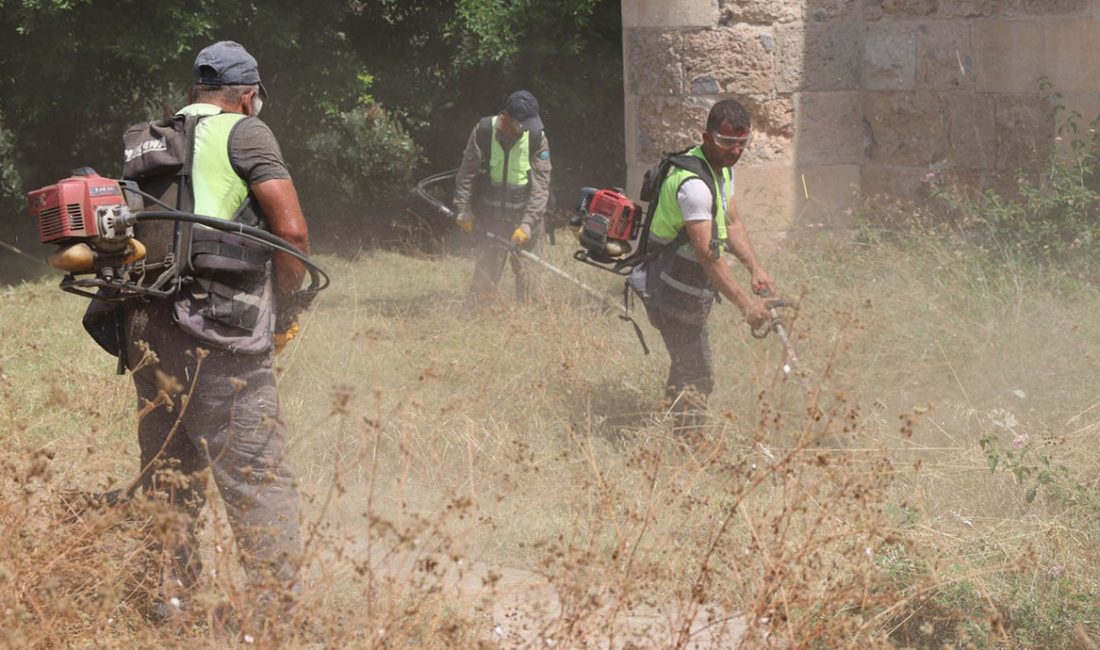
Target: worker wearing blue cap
504,184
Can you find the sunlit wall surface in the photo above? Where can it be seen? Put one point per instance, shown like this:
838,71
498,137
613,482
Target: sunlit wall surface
858,97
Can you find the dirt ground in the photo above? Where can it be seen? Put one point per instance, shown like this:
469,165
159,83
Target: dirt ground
522,609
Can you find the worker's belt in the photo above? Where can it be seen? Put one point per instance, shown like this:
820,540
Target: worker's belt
231,251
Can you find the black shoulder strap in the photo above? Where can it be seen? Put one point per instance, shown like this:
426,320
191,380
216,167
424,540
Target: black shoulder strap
484,139
655,178
185,197
534,141
697,166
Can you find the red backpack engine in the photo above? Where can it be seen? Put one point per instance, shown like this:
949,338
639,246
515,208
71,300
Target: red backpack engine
615,230
608,224
89,217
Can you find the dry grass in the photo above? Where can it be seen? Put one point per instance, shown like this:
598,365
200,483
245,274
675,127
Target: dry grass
463,466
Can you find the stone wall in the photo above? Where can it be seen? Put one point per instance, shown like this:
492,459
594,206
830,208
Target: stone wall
857,97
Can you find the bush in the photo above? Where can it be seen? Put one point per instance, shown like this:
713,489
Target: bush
1054,221
16,263
362,159
10,184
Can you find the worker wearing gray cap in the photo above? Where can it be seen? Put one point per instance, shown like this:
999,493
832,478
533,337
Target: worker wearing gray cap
202,359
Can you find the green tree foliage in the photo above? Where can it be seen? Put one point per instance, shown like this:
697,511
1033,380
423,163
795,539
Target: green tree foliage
499,31
363,155
447,63
10,184
77,72
80,71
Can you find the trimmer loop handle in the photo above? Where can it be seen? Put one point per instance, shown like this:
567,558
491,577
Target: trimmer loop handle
773,304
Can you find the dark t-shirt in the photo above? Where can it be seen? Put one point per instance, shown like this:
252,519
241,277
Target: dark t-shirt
254,152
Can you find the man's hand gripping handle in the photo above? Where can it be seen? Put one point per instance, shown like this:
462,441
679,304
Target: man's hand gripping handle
773,303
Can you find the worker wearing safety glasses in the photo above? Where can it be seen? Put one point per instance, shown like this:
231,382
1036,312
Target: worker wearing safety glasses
695,221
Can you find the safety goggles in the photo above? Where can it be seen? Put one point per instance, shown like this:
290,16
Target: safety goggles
730,141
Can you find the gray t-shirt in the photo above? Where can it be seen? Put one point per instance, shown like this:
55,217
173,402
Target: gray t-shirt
254,152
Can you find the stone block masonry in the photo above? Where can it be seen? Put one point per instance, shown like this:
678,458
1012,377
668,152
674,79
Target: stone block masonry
857,97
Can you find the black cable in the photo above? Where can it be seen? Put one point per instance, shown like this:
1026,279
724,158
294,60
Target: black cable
316,273
422,191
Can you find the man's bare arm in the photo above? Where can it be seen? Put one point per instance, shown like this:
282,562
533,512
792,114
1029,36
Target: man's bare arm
279,201
721,277
738,238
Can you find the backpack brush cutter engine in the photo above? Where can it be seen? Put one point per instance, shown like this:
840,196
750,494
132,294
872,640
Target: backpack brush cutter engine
609,227
613,229
91,219
422,191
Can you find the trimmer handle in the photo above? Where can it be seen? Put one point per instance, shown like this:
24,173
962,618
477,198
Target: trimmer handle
773,303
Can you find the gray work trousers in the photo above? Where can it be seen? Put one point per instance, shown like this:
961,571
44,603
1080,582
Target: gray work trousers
490,264
230,425
691,370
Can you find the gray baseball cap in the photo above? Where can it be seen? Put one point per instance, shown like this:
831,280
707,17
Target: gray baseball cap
523,106
227,63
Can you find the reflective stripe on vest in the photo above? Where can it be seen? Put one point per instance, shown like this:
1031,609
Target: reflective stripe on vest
685,287
219,191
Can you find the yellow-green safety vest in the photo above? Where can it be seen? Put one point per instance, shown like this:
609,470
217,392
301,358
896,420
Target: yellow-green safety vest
219,190
518,160
676,283
669,218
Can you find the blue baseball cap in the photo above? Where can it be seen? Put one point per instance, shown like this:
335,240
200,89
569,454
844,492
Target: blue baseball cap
523,106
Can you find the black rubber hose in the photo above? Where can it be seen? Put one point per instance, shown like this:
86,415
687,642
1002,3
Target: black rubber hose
256,234
422,190
318,279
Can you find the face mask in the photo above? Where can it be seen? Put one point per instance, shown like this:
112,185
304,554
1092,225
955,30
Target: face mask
257,105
